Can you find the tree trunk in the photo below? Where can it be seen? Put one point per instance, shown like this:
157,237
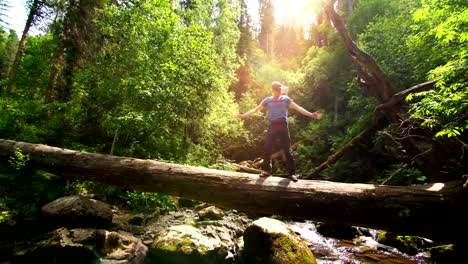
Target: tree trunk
433,211
370,73
19,53
55,69
369,132
438,160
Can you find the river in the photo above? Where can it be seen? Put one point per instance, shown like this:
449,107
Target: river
361,250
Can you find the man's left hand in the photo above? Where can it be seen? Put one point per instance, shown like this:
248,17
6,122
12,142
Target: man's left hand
316,115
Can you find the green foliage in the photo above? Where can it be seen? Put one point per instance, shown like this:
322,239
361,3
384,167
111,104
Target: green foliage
35,122
444,109
317,144
18,161
134,200
170,92
24,190
4,213
148,202
369,11
427,39
402,175
324,77
401,48
33,74
8,46
101,191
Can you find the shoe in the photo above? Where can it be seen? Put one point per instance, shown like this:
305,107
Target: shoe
293,178
265,174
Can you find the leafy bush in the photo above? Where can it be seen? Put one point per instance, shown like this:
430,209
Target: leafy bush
402,175
25,190
148,202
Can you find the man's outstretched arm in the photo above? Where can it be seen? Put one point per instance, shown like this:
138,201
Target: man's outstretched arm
250,112
300,109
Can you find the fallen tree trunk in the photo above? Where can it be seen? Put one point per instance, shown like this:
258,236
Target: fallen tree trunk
433,211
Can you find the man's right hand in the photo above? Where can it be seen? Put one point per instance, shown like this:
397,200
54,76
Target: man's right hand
239,116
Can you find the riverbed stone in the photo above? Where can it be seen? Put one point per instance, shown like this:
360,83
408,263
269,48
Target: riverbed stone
56,247
187,244
77,211
85,245
211,213
270,241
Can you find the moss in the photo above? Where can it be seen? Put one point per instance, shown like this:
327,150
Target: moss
175,244
447,254
184,244
260,247
190,221
406,244
288,250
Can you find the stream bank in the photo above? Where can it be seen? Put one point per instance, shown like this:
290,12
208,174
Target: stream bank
77,229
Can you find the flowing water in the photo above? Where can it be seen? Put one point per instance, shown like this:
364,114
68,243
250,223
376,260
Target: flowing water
362,250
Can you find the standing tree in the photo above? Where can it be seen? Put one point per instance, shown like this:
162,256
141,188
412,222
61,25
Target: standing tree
267,27
76,40
7,53
3,9
410,141
35,9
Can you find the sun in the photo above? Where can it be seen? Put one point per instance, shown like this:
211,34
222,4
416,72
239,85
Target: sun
295,12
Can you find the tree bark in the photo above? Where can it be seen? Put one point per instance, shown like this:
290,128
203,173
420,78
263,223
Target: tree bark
433,211
368,70
19,53
396,100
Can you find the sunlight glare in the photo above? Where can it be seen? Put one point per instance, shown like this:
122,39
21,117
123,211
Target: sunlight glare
436,187
295,12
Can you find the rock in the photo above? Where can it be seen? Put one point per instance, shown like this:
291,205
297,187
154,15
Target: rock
337,231
122,247
447,254
160,223
77,211
187,203
8,232
190,221
136,219
407,244
187,244
57,247
85,246
211,213
271,241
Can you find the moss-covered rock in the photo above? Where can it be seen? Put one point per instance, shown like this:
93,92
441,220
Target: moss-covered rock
337,231
77,211
84,246
447,254
407,244
187,244
271,241
211,213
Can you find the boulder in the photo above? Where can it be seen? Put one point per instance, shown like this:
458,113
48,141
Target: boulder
211,213
187,244
271,241
57,247
77,211
85,246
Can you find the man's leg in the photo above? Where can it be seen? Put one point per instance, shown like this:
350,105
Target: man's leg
285,142
269,141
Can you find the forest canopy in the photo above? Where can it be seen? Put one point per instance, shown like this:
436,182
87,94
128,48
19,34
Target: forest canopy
163,80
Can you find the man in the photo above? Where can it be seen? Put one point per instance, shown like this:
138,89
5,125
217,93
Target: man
277,106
